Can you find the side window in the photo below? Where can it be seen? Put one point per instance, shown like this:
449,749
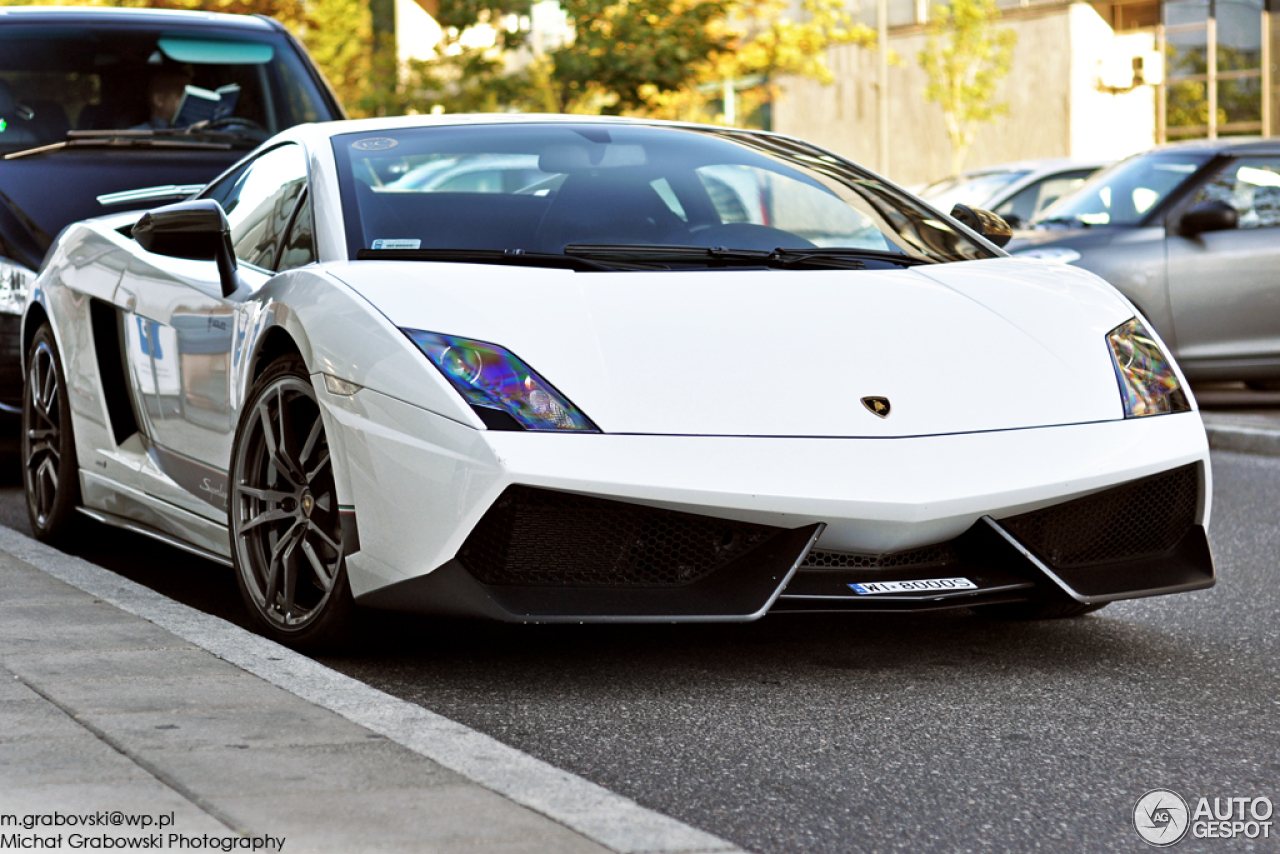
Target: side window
299,248
259,200
1252,186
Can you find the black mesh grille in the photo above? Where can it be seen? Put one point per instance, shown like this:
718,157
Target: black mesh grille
1144,517
554,539
942,553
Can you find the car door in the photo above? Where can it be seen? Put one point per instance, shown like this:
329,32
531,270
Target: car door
187,341
1224,286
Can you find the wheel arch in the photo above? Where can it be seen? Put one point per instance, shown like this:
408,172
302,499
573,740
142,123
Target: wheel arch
35,317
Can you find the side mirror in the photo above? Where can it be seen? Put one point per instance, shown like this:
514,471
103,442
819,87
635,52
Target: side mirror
197,229
1209,216
989,225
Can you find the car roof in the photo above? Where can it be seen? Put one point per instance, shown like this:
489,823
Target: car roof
1230,145
107,16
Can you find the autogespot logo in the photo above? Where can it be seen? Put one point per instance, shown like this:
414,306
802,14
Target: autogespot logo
1160,817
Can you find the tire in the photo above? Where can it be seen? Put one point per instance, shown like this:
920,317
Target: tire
1038,610
286,537
50,472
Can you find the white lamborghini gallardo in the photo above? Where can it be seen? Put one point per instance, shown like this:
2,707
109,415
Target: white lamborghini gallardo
603,370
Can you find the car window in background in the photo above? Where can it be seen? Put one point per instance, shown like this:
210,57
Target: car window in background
56,78
974,190
1027,203
1252,186
1127,192
632,185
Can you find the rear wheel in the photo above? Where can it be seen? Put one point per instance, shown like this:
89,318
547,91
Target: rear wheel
50,471
1039,610
284,521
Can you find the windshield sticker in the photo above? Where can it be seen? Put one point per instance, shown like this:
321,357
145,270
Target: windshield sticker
397,244
377,143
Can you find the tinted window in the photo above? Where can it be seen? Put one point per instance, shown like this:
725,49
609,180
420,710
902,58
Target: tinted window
259,200
55,78
299,246
622,184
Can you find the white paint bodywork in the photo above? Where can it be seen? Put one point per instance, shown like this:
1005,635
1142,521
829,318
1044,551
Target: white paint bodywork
728,393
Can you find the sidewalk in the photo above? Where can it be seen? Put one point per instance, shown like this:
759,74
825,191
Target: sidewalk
1255,432
147,720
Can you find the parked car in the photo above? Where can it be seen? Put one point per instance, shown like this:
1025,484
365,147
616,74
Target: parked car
606,401
79,137
1016,191
1190,233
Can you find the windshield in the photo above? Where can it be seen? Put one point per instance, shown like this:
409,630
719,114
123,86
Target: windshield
60,78
1125,193
538,188
975,190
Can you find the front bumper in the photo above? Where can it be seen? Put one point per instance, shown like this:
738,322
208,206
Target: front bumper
420,485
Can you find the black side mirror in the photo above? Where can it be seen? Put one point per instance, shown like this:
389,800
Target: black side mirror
989,225
1209,216
196,229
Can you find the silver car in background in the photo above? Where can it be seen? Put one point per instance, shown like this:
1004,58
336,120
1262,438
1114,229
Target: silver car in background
1190,233
1017,191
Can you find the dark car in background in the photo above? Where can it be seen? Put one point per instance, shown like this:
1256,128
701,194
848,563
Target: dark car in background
1190,233
78,137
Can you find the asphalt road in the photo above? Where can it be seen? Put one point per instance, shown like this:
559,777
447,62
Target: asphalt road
872,733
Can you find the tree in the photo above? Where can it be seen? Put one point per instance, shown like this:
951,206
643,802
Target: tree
965,57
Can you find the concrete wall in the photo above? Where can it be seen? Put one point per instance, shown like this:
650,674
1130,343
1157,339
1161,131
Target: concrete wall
1055,107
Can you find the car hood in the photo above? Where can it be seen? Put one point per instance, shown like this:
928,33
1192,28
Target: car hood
31,215
974,346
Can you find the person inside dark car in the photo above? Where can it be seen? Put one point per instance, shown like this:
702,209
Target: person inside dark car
164,96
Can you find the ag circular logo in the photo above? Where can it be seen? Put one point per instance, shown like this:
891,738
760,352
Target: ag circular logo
1161,818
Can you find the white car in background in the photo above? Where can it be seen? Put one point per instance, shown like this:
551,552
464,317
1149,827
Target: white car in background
608,399
1017,191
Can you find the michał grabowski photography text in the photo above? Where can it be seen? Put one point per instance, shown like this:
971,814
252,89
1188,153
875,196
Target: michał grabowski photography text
28,841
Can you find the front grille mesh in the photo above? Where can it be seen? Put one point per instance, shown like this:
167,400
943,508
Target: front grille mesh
1144,517
536,537
936,555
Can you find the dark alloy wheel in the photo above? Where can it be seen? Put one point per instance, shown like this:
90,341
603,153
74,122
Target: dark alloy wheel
50,470
286,537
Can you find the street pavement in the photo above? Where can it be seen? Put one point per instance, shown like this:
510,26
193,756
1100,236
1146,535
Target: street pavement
151,721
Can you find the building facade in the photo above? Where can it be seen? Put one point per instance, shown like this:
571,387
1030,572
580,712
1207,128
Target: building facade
1095,80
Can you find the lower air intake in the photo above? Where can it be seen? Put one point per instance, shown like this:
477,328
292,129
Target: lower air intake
537,537
1141,518
937,555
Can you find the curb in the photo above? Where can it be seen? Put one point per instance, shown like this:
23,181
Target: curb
1249,440
600,815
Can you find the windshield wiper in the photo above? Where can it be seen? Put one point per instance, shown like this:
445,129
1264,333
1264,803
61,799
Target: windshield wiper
213,140
839,257
512,257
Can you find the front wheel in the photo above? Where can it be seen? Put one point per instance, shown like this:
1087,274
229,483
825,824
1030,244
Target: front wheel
286,537
50,471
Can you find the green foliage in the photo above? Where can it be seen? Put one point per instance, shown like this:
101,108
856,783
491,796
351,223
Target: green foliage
621,46
965,57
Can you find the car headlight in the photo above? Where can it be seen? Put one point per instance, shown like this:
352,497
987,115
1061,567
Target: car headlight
15,282
1049,254
1148,385
496,383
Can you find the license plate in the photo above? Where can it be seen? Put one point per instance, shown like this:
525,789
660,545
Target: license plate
929,585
